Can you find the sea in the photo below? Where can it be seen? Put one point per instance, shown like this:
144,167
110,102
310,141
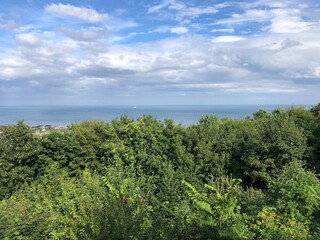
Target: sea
66,115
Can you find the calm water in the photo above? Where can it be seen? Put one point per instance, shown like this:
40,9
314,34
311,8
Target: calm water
64,115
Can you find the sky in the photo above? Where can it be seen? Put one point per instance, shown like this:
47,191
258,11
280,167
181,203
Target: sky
161,52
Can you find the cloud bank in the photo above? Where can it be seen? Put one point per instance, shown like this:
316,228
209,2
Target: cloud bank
257,55
81,13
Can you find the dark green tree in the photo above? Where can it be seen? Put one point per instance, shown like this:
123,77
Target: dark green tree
294,205
276,141
19,162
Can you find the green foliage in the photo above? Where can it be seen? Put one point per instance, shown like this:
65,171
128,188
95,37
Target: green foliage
91,137
315,110
127,208
296,192
206,146
276,141
242,179
65,149
55,207
294,200
272,225
252,200
19,161
260,114
171,208
217,211
314,140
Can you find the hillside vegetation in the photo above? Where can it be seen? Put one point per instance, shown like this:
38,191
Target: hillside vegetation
255,178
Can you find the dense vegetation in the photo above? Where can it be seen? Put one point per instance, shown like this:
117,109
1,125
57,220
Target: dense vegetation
255,178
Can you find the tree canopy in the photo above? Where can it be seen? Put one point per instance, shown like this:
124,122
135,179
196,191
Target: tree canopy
252,178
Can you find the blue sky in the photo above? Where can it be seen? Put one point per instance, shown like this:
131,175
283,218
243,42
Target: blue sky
108,52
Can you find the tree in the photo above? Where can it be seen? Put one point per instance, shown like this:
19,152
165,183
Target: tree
294,203
217,212
314,140
19,162
276,142
56,207
65,149
128,212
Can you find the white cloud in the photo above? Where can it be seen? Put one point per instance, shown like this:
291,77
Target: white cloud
223,30
279,18
206,86
85,82
8,25
179,30
181,10
28,38
166,29
316,71
251,15
287,21
197,11
264,89
226,39
81,13
34,83
9,62
87,35
191,61
268,3
158,7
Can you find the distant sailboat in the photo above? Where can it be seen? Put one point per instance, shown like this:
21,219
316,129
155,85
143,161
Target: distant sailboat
134,106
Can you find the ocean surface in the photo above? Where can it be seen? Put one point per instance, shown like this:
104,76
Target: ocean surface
65,115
